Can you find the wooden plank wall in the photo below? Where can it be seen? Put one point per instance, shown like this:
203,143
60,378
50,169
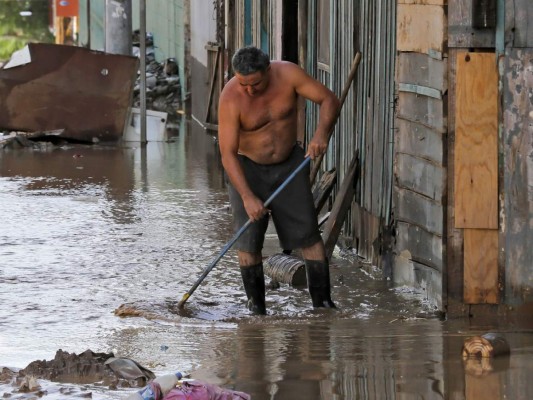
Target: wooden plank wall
463,34
519,14
517,143
484,249
510,253
421,125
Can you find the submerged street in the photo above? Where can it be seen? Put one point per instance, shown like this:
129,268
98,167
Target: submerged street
88,229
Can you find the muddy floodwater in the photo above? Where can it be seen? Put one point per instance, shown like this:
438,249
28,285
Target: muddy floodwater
86,230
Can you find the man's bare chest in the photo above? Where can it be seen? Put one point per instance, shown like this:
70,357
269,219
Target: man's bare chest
262,112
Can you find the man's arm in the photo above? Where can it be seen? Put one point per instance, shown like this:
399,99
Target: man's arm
315,91
228,136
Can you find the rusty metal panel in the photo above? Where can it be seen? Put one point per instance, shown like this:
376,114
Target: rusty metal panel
517,150
84,92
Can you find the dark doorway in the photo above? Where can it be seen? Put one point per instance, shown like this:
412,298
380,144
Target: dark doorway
289,38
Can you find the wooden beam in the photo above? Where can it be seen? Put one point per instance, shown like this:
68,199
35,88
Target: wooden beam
212,86
340,208
323,188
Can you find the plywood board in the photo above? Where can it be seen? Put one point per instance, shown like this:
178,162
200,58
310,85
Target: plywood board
476,141
481,266
421,28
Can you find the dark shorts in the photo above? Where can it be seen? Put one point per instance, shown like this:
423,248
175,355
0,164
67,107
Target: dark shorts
292,210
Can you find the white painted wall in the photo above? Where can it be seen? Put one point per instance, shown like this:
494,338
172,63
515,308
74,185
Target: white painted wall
203,28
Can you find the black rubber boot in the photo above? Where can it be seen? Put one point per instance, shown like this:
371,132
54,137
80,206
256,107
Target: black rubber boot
254,286
318,283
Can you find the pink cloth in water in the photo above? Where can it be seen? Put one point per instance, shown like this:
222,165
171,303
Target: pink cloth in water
198,390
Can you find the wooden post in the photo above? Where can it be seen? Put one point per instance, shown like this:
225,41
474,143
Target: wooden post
142,50
341,206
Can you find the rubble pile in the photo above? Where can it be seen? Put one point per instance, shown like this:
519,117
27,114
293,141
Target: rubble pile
163,87
86,367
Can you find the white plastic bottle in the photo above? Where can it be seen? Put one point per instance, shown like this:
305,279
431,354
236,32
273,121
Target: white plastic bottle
166,383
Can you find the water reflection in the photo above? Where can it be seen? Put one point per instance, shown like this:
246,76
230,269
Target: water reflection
85,230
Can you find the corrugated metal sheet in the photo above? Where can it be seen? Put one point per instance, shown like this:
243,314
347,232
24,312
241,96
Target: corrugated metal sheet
366,121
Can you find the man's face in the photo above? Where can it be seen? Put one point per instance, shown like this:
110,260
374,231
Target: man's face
254,83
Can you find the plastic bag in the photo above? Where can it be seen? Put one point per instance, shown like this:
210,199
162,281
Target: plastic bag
198,390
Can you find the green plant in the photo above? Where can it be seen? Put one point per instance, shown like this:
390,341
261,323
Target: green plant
16,30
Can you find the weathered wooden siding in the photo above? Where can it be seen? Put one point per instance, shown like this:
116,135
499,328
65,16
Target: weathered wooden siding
421,26
517,142
419,167
431,252
462,34
519,16
494,264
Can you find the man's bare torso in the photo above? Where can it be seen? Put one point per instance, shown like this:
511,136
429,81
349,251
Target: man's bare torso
268,119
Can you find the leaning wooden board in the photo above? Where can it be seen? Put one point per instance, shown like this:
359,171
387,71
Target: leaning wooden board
343,201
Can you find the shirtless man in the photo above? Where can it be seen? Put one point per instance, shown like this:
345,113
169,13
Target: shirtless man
257,138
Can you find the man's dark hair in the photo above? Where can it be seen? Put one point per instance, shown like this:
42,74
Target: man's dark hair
250,59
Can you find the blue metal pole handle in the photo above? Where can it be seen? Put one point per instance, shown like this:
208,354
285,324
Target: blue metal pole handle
240,232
